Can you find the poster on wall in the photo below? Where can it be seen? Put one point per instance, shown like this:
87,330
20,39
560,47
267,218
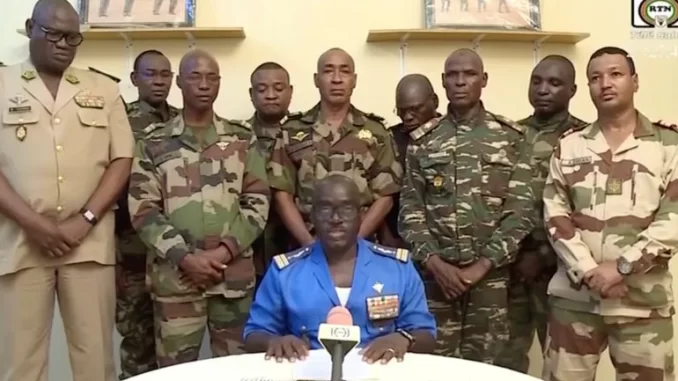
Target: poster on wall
488,14
137,13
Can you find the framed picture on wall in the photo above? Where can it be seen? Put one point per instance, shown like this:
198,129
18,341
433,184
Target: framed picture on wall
502,14
137,13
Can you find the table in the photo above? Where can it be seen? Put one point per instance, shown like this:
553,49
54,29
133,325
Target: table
253,367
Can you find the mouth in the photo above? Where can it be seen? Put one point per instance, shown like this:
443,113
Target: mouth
336,234
62,56
203,98
608,96
543,103
337,92
459,95
159,93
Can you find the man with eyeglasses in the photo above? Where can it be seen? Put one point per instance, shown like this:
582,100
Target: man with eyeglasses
377,284
334,137
416,105
66,149
152,77
198,198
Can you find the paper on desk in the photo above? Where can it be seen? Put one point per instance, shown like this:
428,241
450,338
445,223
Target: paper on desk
318,366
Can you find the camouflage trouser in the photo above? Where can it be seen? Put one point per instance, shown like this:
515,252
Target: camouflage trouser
640,349
180,327
134,320
527,312
474,326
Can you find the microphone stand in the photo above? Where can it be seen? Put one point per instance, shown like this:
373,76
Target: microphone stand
337,362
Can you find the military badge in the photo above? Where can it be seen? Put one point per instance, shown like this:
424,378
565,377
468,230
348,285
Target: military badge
365,134
86,100
378,287
70,78
613,186
222,145
299,136
21,133
383,307
438,181
18,99
28,75
19,109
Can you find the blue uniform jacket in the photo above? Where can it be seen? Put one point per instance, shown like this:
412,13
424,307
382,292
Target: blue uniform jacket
297,292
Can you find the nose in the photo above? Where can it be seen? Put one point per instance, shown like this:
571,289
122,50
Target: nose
336,78
542,89
271,94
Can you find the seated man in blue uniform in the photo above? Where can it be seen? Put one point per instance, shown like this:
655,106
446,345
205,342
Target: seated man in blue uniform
377,284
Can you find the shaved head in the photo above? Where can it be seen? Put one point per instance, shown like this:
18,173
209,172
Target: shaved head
414,82
324,186
563,63
335,51
196,55
416,101
44,9
466,54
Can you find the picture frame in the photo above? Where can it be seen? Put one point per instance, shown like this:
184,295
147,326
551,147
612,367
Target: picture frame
137,13
485,14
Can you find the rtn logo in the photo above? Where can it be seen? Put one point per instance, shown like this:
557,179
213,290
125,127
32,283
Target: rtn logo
654,13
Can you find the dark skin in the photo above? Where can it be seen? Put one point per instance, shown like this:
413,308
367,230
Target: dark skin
335,80
153,80
416,104
612,88
463,80
551,89
57,238
199,81
271,94
336,215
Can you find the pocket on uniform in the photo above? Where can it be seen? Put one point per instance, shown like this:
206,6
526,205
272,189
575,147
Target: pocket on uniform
434,169
90,117
497,169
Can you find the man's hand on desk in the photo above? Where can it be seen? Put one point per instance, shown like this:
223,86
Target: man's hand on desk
287,347
385,348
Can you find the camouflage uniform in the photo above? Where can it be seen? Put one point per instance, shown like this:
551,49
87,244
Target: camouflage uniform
528,303
134,309
467,195
600,206
273,241
308,150
189,193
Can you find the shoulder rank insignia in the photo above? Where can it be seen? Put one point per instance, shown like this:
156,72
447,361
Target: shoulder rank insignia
115,79
284,260
152,127
509,123
376,118
241,123
574,129
425,128
28,75
403,255
291,116
664,124
72,79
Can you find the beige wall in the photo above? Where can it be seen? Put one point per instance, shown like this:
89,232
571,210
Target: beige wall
295,32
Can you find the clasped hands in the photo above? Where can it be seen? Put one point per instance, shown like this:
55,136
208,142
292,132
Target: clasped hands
58,238
204,268
455,281
606,281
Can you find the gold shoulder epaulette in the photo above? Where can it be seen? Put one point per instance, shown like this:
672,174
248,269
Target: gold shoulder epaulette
114,78
664,124
403,255
284,260
509,123
425,128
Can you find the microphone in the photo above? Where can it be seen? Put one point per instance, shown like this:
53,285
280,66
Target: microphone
338,336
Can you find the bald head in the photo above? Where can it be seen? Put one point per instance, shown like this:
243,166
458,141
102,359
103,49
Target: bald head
564,65
414,83
552,86
467,55
330,184
335,54
189,59
44,10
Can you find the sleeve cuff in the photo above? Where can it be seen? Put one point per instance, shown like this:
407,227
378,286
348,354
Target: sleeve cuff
496,257
421,251
281,186
176,254
231,244
576,275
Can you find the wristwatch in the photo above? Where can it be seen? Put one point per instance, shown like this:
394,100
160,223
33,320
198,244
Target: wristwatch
89,216
624,267
408,336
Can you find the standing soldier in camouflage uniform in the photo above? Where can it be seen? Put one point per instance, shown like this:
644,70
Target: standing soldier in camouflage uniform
466,205
198,198
152,76
416,105
552,85
334,137
271,94
611,208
